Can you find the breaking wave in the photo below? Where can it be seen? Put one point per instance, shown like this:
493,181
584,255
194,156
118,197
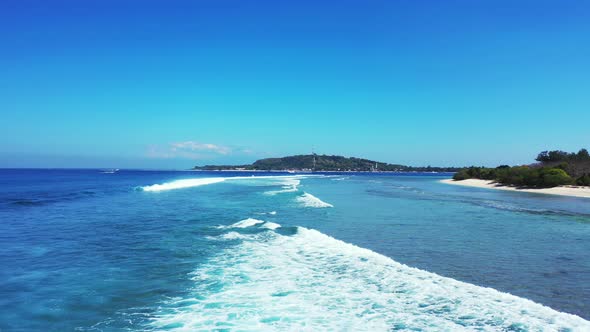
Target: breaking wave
270,225
309,200
179,184
246,223
289,183
250,222
310,281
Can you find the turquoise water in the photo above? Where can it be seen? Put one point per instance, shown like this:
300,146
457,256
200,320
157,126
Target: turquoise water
182,251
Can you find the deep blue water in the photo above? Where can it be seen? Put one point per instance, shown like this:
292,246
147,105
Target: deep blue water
89,251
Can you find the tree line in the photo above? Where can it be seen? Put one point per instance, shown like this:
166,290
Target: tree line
555,168
562,156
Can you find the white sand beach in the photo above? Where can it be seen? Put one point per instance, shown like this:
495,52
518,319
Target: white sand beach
561,190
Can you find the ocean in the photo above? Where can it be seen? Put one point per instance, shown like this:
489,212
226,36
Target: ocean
141,250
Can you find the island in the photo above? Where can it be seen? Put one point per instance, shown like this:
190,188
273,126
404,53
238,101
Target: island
323,163
555,172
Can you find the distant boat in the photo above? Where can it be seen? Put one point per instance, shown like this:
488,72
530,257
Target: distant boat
110,171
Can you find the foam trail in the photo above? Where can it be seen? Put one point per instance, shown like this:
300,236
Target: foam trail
310,281
288,182
186,183
341,179
246,223
272,213
270,225
309,200
233,236
229,236
289,185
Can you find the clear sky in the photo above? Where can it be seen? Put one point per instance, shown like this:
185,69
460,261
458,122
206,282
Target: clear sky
177,83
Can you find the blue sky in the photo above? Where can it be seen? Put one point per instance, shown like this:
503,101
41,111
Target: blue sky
177,83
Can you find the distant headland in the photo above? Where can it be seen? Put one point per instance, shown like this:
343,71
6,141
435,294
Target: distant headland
323,163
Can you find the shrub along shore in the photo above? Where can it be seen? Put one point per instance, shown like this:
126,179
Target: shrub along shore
554,168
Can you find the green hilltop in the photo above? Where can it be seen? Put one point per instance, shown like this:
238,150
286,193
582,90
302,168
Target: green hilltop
324,163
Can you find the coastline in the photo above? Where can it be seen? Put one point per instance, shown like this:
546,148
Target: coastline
310,172
583,192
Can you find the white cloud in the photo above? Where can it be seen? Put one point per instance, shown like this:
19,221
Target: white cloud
188,150
196,146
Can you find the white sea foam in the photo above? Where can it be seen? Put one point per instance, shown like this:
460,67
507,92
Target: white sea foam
272,213
340,179
309,200
270,225
246,223
186,183
310,281
288,185
232,236
288,182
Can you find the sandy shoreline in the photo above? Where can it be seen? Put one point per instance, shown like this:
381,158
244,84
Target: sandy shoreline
561,190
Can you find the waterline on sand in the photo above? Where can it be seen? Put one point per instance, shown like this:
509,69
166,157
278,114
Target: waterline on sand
561,190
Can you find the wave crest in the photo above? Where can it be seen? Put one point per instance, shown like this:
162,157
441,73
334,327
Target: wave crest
289,183
246,223
309,200
185,183
310,281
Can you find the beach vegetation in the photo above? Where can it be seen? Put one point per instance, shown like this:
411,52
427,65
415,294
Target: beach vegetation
583,180
555,168
562,156
518,176
553,177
